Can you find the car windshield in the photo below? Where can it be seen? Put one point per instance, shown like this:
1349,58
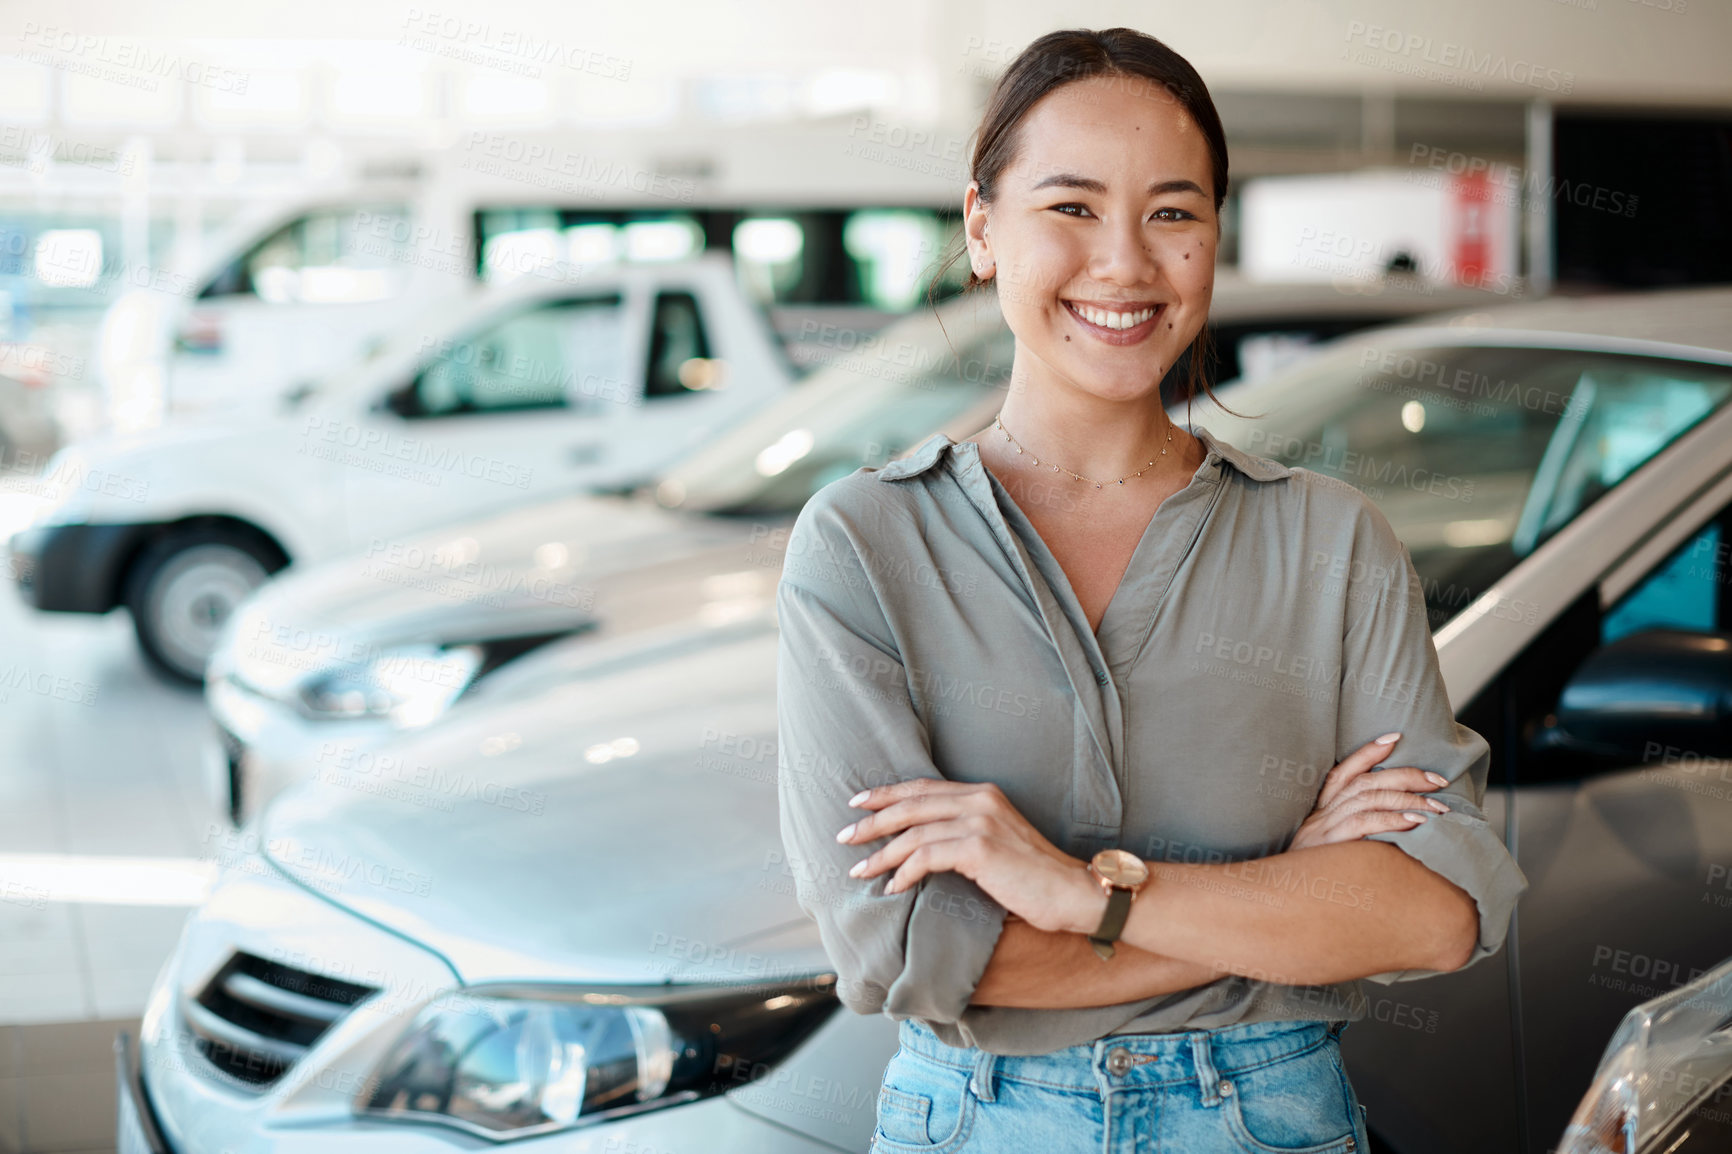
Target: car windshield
867,405
1476,454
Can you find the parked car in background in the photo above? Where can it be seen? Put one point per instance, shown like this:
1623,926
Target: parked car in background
1257,327
563,912
523,393
281,297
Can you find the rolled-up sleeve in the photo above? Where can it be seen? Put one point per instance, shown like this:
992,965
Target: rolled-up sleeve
1391,682
846,722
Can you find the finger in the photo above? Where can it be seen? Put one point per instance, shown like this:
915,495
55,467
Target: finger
1355,764
932,806
932,858
1390,799
888,857
1384,801
1375,821
1348,815
880,796
1394,777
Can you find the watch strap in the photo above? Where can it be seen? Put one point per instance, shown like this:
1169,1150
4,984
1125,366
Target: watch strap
1112,921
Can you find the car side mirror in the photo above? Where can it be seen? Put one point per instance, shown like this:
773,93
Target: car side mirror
1646,693
297,396
404,401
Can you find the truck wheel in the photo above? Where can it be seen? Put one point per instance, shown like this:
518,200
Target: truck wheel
182,588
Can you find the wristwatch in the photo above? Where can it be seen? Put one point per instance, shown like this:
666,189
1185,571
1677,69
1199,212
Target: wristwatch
1121,875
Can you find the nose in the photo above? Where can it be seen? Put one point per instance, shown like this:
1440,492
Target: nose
1124,254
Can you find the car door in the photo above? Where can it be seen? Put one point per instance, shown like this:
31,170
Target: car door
306,300
524,404
1627,845
1474,486
689,385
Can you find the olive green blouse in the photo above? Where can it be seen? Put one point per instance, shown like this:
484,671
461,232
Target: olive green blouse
1269,623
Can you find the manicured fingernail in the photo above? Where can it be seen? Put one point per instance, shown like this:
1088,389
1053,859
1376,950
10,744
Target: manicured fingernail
1436,779
1388,739
857,868
846,831
1437,805
1414,816
860,798
890,886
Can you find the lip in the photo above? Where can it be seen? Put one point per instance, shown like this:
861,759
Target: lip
1128,336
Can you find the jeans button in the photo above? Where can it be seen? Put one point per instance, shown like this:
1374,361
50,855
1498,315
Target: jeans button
1226,1089
1118,1061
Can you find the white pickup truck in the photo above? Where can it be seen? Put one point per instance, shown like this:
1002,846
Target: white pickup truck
509,396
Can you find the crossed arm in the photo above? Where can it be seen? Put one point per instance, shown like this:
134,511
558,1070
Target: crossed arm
1207,932
1331,909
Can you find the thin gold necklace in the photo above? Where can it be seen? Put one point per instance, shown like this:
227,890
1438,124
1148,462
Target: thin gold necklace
1061,469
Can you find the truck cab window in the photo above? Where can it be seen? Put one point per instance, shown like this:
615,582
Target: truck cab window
560,355
340,255
679,357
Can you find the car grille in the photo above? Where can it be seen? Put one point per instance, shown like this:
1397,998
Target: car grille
255,1018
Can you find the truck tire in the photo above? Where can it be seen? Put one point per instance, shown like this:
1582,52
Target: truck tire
182,588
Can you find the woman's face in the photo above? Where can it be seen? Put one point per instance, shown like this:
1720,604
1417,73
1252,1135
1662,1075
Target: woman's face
1101,236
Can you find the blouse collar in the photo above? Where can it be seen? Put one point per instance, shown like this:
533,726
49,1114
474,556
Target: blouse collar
930,451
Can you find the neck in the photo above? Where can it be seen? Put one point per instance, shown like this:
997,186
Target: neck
1100,439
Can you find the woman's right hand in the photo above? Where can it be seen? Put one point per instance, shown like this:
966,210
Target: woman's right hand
1355,802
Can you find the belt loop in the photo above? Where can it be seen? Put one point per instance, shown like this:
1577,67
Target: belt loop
1207,1080
981,1082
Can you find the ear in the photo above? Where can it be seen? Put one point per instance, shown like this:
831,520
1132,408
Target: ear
974,230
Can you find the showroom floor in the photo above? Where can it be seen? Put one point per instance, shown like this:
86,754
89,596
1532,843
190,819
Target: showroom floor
86,791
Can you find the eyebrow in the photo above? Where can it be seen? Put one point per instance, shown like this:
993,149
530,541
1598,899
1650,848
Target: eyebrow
1089,184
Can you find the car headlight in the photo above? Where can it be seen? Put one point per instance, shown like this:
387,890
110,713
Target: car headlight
411,685
1607,1120
508,1062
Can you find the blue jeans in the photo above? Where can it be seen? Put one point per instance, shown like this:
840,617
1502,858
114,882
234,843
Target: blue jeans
1252,1089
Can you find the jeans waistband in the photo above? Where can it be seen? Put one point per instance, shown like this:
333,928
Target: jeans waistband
1129,1061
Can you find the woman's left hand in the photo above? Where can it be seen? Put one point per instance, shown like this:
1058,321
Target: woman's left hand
974,830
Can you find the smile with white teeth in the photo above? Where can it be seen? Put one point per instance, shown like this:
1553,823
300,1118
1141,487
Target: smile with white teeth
1112,320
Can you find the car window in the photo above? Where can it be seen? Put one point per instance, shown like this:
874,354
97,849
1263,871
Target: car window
343,255
560,355
1683,592
906,395
1477,455
679,356
1620,415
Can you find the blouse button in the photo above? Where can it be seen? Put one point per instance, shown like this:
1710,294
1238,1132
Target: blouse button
1101,676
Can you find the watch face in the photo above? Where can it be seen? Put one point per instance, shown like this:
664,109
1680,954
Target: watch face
1121,868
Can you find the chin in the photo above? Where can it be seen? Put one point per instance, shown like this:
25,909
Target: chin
1122,392
1124,383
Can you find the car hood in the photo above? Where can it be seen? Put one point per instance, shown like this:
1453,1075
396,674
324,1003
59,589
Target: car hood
182,468
611,564
619,827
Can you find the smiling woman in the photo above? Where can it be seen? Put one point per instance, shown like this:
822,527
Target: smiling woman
1046,837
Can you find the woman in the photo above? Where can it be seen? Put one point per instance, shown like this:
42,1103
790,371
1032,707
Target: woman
1053,699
